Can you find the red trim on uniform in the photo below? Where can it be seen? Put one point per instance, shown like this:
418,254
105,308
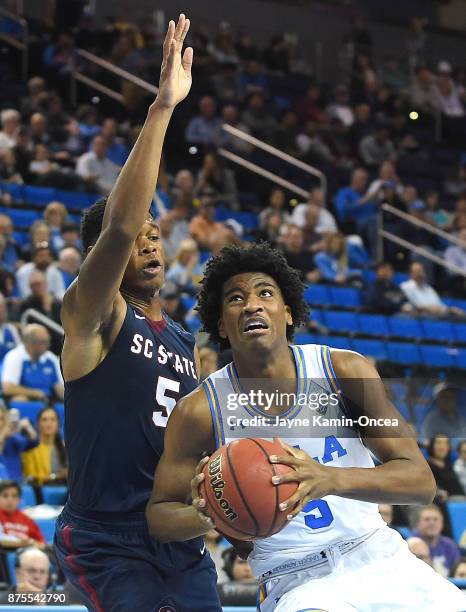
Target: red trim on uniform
157,326
77,569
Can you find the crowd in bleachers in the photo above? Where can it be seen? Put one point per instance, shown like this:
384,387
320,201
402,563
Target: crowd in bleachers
370,130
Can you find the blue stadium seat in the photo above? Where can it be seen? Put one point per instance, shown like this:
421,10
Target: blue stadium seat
304,338
404,327
455,302
76,199
22,238
437,330
457,512
188,301
437,356
28,496
55,496
400,277
39,195
421,411
461,359
373,325
338,342
373,348
317,295
345,297
60,408
459,332
23,218
16,191
10,560
47,526
405,532
28,410
204,256
403,353
316,315
341,321
403,409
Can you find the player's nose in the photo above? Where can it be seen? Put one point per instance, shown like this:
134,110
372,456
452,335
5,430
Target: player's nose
252,304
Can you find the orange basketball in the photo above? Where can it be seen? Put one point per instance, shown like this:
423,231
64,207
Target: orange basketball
238,489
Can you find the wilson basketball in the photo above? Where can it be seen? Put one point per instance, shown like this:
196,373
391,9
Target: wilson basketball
238,489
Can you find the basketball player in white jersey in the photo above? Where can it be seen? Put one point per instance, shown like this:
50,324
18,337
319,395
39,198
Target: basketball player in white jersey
336,554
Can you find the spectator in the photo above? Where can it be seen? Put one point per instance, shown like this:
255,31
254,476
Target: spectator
32,573
117,151
313,240
376,148
202,129
423,92
341,109
183,188
41,168
340,262
215,177
309,108
386,512
287,133
209,362
9,172
23,155
458,571
253,79
215,544
423,297
237,569
12,252
96,169
9,337
47,462
456,254
174,227
436,215
16,436
70,237
439,459
416,45
205,230
42,260
44,302
420,549
443,550
383,295
277,55
69,262
30,371
60,56
445,418
449,97
258,119
185,272
314,146
16,525
460,465
10,120
55,215
276,205
326,223
39,233
36,98
172,305
38,130
222,138
296,255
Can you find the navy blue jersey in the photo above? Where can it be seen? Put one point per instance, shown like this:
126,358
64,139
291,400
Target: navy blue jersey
115,416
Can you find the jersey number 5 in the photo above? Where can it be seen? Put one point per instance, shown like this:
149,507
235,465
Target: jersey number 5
165,403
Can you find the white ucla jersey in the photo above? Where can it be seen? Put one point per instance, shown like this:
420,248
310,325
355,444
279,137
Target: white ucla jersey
323,522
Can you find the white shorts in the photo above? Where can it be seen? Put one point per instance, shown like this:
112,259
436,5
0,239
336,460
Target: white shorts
379,575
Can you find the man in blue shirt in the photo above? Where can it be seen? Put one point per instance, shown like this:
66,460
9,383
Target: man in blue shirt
31,371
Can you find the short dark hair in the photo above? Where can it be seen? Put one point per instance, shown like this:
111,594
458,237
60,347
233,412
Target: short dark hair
10,484
234,260
91,223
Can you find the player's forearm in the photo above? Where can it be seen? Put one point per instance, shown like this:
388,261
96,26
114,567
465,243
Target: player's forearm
399,481
132,194
176,522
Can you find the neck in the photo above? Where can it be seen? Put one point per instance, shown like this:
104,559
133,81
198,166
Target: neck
149,306
275,363
47,438
431,540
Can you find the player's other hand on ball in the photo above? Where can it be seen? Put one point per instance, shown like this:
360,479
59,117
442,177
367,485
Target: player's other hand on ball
315,480
175,74
197,501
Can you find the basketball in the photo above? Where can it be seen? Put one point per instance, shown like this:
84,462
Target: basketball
238,489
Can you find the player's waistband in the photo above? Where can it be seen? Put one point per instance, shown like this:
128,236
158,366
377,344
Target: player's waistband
115,520
314,560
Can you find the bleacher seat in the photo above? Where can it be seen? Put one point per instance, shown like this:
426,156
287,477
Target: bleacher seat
54,495
39,195
338,342
372,348
28,410
437,356
461,359
16,191
316,316
304,338
459,332
28,496
317,295
457,512
47,526
341,321
373,325
421,411
345,297
188,301
405,532
403,409
404,327
442,331
60,408
76,199
403,353
22,218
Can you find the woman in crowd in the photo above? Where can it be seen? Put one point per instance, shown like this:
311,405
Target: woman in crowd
439,453
341,261
55,216
16,436
47,462
186,271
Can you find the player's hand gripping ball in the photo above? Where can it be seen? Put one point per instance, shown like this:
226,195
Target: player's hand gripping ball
238,491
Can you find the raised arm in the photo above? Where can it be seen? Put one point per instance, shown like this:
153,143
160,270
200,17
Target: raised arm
91,300
189,434
403,476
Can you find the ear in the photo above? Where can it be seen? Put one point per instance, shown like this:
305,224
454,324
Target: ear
221,329
289,318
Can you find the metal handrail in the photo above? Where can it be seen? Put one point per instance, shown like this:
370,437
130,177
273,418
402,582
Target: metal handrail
31,313
423,225
260,144
23,45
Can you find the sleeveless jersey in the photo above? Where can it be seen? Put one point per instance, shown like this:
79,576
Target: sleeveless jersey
325,521
115,416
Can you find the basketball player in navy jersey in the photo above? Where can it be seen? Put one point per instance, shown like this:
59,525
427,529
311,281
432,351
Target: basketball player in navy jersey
125,364
336,554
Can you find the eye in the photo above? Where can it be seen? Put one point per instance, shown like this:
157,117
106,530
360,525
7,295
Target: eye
235,298
154,238
266,293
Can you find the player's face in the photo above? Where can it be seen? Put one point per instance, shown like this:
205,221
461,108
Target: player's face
254,314
144,274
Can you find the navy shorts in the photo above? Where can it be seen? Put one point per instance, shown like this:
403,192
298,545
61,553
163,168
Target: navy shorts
118,567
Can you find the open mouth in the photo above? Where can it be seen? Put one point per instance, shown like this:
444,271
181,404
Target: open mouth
255,326
152,267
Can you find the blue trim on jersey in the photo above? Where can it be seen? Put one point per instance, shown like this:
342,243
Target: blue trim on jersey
332,378
219,412
212,409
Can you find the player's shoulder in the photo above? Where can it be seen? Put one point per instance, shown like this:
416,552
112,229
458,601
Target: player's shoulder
350,364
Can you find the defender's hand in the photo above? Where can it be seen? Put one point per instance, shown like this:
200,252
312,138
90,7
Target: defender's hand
197,501
175,74
315,480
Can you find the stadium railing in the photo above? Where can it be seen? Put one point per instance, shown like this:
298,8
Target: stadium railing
30,313
21,44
